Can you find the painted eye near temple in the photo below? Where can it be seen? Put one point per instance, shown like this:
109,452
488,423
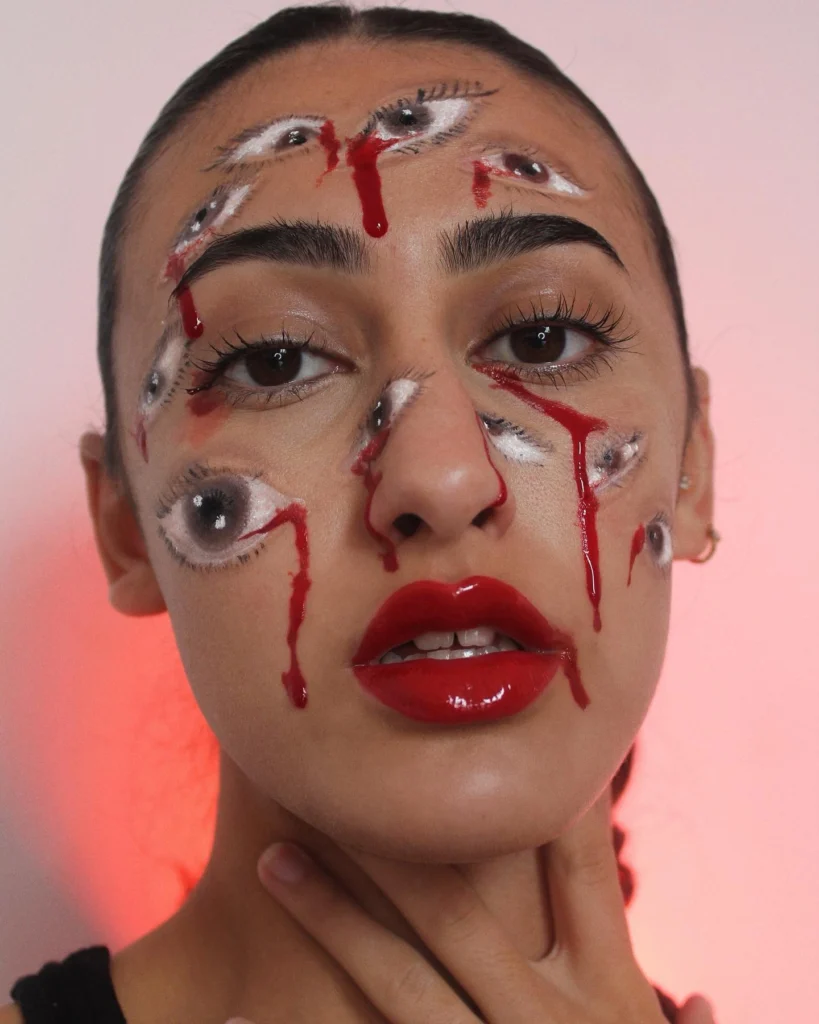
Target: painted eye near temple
209,216
658,540
268,371
274,139
215,518
161,381
431,117
525,168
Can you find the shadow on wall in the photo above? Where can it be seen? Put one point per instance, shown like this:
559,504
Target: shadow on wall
109,768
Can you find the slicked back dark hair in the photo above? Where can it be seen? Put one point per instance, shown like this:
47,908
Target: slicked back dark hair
296,26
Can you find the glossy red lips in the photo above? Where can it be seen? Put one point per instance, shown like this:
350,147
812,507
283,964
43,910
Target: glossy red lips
478,689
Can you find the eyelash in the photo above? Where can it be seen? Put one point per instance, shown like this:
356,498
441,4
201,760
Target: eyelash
603,327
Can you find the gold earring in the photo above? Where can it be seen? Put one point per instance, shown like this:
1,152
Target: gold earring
713,539
685,482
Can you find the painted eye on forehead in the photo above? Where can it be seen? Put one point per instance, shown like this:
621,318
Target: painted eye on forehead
273,139
517,166
213,518
431,117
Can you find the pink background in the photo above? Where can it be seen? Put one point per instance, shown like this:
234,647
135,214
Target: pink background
105,777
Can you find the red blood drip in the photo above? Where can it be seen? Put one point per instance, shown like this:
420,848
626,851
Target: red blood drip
205,403
569,655
362,153
503,494
363,467
175,267
191,323
481,184
579,427
294,682
141,437
637,543
329,142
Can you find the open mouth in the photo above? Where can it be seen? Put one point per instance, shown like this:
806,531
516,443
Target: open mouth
450,646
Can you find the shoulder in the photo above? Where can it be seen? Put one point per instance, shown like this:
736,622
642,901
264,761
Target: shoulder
11,1014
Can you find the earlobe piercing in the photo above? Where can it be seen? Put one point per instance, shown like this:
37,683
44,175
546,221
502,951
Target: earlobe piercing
713,539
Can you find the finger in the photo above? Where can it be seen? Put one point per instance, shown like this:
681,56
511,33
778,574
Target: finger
696,1010
394,976
584,890
467,939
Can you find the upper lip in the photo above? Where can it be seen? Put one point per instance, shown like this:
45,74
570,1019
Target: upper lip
430,605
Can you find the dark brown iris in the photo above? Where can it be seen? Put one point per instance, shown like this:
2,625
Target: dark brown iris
524,167
540,343
216,515
271,367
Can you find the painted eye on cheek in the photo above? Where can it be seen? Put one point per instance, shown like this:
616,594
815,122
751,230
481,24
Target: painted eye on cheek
658,541
618,458
164,375
276,138
216,521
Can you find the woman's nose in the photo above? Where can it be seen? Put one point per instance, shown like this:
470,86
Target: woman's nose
437,479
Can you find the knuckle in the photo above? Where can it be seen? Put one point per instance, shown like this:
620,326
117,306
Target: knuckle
411,986
459,918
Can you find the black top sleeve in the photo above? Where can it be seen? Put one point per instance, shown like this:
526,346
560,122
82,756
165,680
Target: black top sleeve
77,990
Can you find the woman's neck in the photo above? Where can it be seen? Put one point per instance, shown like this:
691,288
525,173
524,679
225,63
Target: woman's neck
233,950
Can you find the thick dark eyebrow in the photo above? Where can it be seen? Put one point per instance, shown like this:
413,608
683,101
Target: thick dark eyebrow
299,243
479,243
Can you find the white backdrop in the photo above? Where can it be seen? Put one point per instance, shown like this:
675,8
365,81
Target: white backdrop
718,103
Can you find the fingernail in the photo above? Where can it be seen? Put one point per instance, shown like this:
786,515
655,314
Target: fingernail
285,862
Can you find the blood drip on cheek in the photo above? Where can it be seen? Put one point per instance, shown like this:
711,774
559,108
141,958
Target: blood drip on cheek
363,467
205,403
293,679
637,544
481,184
330,144
363,152
503,493
579,427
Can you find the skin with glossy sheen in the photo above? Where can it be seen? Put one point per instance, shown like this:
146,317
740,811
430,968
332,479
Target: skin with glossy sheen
345,770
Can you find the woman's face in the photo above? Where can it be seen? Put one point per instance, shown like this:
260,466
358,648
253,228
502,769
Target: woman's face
425,227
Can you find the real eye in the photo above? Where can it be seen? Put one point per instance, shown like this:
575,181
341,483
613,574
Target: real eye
213,518
275,138
266,369
539,344
431,117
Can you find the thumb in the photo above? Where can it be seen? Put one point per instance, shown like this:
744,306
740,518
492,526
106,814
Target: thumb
696,1010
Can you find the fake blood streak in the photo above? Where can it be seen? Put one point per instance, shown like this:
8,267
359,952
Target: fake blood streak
330,144
363,151
363,467
481,184
579,427
637,544
191,324
293,679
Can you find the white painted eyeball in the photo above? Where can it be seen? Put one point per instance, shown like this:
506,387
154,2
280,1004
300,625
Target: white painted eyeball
276,138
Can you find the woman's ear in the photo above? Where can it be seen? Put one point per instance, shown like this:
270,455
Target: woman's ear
132,585
695,502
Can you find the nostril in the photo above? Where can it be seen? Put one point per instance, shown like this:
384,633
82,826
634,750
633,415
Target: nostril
407,524
481,517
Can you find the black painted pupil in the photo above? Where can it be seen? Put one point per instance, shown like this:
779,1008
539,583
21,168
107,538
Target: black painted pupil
523,167
216,516
541,343
380,415
272,366
296,137
415,118
200,216
153,384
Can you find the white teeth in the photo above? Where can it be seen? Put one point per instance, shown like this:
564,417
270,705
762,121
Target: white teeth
434,641
505,643
480,636
450,655
390,658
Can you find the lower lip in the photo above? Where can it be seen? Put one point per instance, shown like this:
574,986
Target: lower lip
464,690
